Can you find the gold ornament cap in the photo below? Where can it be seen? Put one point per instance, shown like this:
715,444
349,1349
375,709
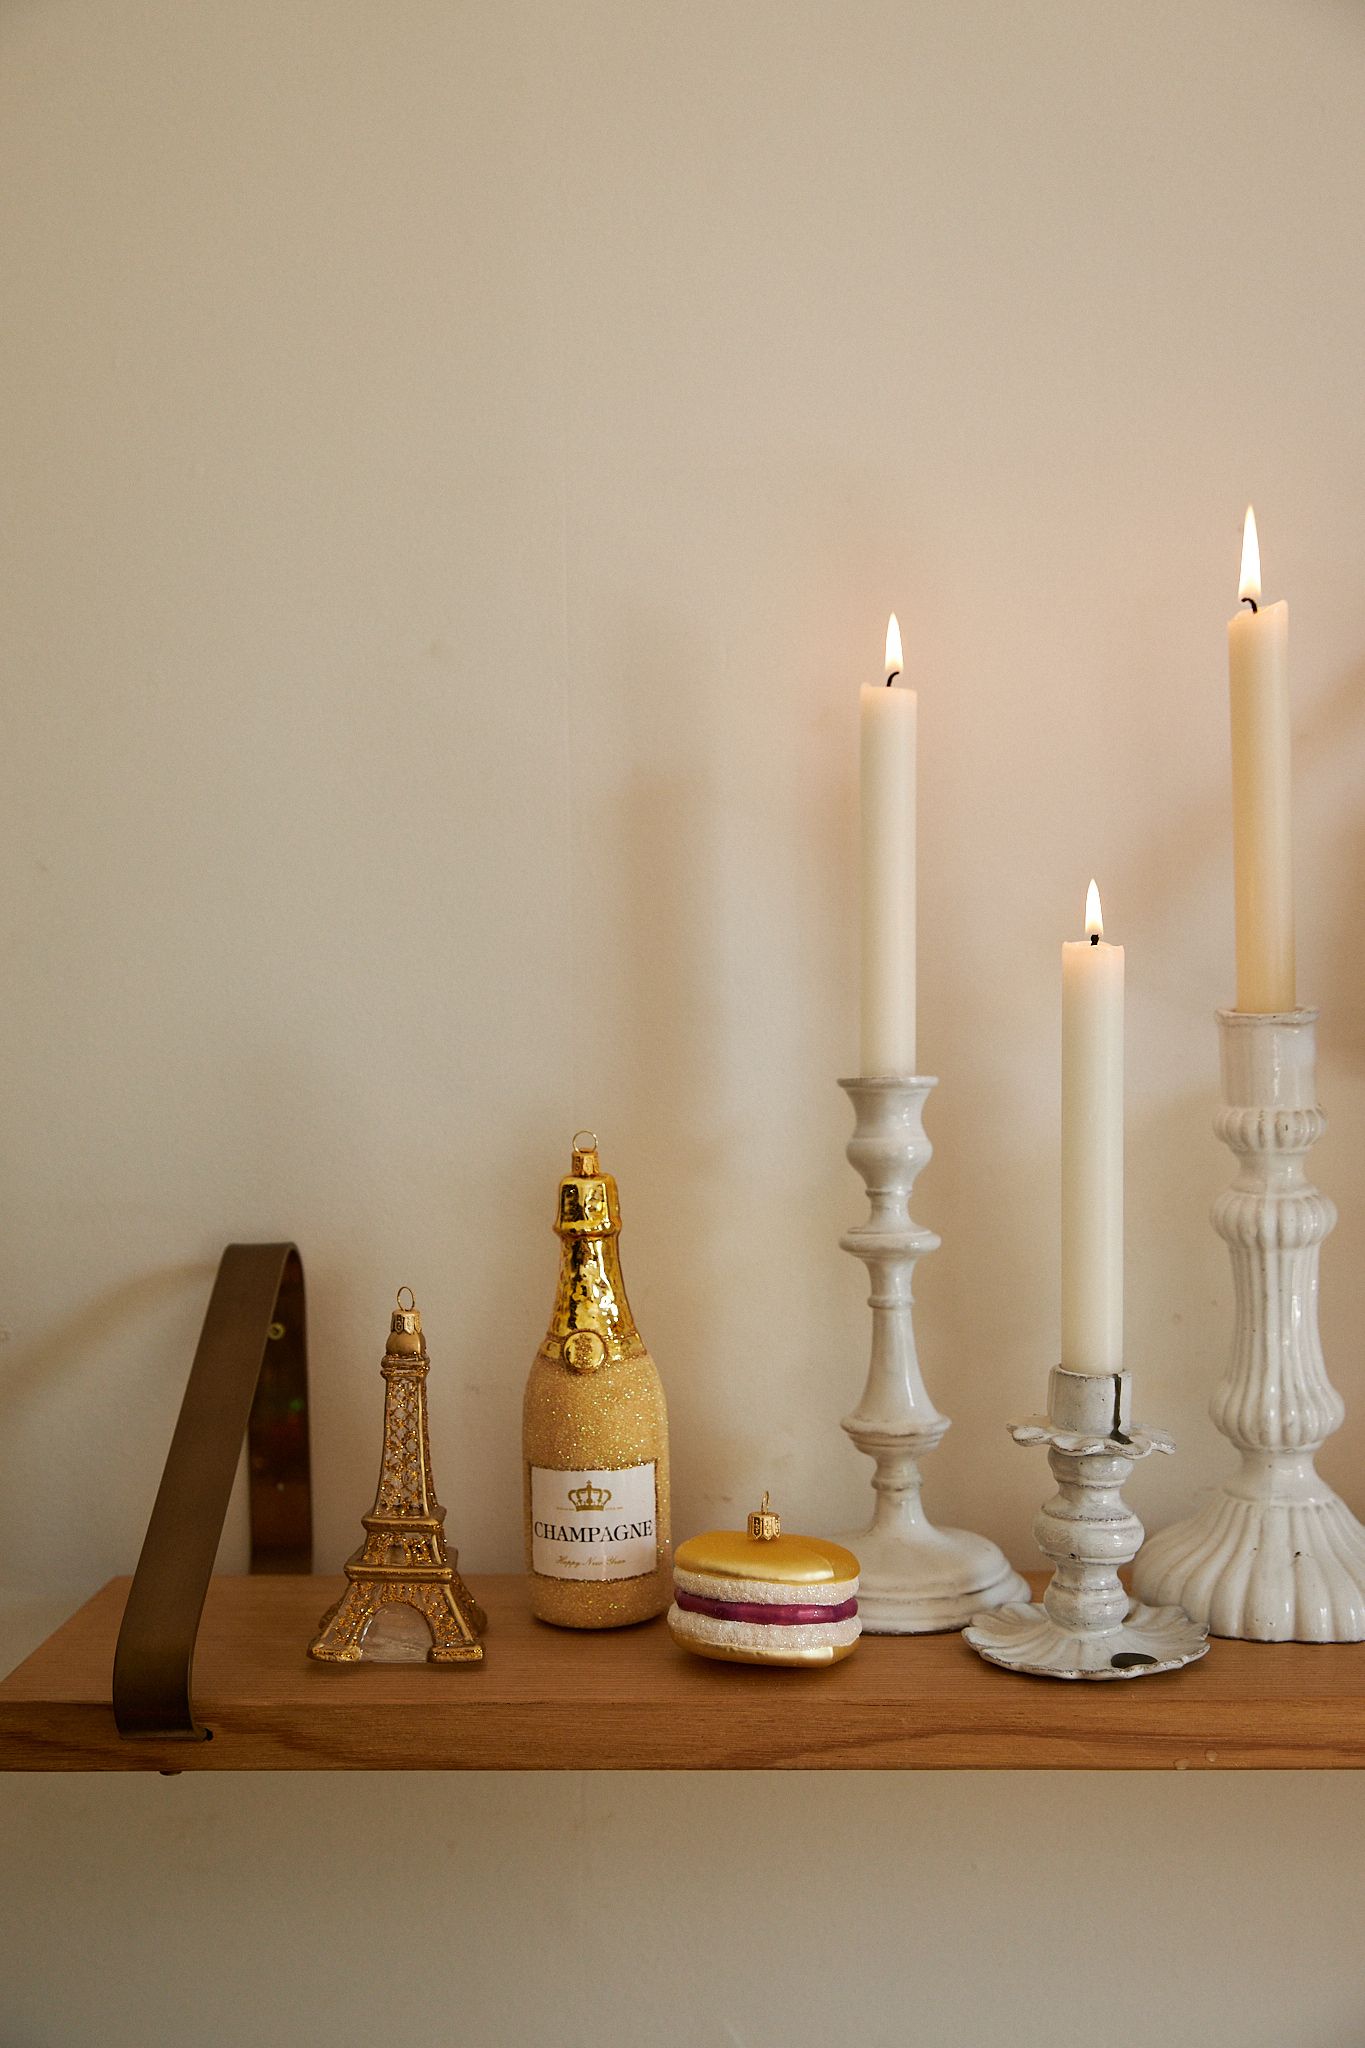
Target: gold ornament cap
589,1205
405,1327
765,1524
762,1552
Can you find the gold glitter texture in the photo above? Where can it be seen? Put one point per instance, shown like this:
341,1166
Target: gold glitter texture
594,1402
404,1559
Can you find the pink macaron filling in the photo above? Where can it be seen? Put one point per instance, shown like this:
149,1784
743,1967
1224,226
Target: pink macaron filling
763,1611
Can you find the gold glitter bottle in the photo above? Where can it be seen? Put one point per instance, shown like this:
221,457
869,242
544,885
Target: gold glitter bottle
594,1430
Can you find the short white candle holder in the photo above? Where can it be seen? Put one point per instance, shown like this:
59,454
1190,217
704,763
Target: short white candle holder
1275,1555
914,1578
1086,1625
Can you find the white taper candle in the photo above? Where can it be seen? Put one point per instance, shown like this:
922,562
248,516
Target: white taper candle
1262,820
1092,1149
889,716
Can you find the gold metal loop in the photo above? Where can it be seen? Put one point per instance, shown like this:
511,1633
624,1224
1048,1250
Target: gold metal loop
412,1300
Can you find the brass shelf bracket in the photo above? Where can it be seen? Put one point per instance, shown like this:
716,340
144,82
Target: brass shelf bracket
249,1378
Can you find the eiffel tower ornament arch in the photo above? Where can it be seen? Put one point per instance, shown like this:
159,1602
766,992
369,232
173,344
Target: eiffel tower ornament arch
403,1560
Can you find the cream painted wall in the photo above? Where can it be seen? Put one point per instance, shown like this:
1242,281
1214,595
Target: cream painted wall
458,460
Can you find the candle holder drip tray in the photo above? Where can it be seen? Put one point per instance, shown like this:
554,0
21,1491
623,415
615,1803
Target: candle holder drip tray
1086,1625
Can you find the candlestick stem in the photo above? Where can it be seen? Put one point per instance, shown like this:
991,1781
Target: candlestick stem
1275,1555
915,1578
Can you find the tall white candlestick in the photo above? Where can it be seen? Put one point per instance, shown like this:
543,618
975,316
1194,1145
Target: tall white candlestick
889,723
1263,866
1092,1149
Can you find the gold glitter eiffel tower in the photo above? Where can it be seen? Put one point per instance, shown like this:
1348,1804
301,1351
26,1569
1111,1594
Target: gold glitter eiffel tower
403,1560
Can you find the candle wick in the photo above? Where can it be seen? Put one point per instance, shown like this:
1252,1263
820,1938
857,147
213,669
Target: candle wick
1252,602
1094,938
892,677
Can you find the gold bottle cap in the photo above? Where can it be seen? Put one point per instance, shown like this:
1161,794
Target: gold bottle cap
405,1326
589,1205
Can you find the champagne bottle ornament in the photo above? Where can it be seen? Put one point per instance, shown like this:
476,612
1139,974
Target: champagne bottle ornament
594,1429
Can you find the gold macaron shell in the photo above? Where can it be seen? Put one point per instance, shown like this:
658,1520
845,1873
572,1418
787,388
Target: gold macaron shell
786,1561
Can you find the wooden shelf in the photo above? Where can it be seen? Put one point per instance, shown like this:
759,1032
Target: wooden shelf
551,1699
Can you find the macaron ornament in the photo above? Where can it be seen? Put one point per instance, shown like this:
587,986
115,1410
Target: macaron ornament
756,1596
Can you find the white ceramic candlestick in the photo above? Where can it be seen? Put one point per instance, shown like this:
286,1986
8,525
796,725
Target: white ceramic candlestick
914,1578
1086,1625
1275,1555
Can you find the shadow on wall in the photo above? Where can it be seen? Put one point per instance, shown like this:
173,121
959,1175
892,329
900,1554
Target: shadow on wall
1336,719
651,1058
67,1349
132,1416
1336,732
1179,1291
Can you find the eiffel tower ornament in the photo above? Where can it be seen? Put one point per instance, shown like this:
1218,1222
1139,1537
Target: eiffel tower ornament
403,1561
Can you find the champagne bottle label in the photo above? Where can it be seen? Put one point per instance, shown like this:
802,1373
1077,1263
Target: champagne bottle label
594,1525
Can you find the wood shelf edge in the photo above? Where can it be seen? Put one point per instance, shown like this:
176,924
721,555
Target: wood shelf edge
554,1700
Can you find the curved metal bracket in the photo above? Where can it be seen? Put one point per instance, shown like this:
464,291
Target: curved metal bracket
249,1377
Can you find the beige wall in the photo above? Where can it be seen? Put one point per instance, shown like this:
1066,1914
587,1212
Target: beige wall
459,462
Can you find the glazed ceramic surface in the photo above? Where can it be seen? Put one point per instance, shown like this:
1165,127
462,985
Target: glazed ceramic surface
916,1578
1086,1625
1275,1555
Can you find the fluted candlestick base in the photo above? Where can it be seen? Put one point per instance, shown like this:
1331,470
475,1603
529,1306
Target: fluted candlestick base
1275,1556
914,1579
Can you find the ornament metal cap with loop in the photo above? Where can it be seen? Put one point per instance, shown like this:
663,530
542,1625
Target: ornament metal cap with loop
589,1205
405,1326
403,1561
765,1524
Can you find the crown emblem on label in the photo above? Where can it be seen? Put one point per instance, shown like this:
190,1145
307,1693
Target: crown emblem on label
588,1498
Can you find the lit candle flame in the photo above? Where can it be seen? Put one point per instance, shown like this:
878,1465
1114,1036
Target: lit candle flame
893,647
1249,589
1094,916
